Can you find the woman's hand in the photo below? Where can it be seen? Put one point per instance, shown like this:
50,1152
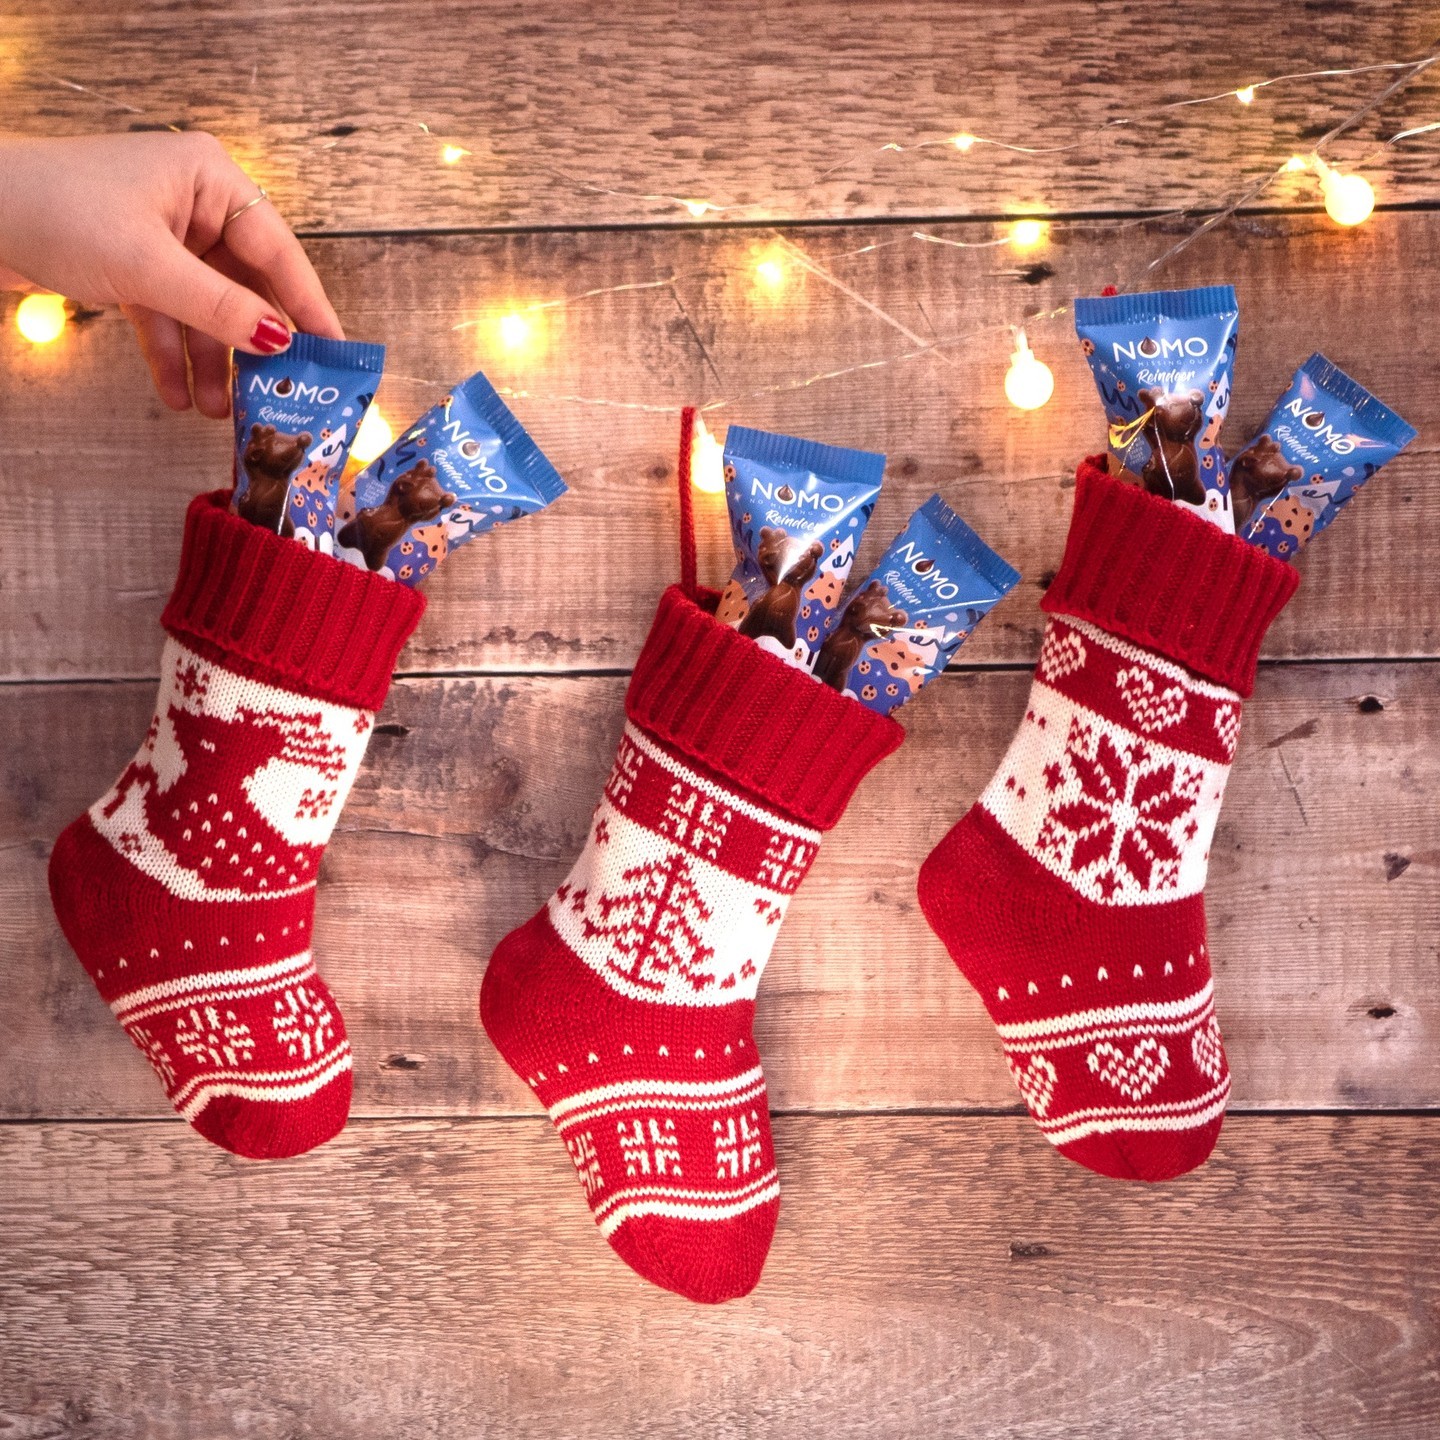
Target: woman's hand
140,221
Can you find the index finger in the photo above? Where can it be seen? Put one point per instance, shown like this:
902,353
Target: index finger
264,243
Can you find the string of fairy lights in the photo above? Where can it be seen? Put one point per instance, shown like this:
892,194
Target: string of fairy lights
1347,196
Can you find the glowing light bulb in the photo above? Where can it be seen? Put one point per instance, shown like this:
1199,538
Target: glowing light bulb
373,438
771,274
514,331
697,207
41,318
964,141
453,154
1246,95
1349,199
1028,381
1027,234
707,460
1296,163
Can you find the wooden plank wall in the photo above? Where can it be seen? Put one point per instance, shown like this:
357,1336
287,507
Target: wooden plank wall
937,1267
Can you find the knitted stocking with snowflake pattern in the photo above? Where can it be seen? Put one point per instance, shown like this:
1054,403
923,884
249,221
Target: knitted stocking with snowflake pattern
1071,896
626,1003
188,889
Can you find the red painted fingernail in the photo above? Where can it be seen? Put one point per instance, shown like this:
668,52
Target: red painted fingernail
271,336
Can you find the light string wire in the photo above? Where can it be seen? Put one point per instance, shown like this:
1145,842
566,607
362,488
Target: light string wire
1215,213
966,141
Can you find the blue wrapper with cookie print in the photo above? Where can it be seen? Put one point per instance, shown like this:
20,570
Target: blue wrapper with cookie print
932,587
462,468
1326,436
797,511
1162,362
296,415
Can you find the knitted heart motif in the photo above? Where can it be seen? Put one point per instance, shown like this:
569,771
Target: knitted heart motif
1036,1082
1134,1075
1206,1050
1061,655
1151,711
1227,724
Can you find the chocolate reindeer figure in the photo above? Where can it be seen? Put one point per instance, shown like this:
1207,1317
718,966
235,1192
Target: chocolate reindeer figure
1173,470
868,616
413,498
773,614
270,459
1258,473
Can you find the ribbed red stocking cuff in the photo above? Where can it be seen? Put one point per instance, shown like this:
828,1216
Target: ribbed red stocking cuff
772,730
1150,571
277,612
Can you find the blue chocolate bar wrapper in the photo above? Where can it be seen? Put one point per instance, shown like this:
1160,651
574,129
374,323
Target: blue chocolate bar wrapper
1162,362
1326,436
932,587
464,467
797,511
296,415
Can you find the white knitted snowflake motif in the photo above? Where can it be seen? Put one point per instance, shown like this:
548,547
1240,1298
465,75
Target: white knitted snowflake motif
657,1153
211,1036
586,1161
303,1023
155,1053
737,1145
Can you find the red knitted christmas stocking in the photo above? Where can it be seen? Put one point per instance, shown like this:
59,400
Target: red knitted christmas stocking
187,890
1071,896
626,1003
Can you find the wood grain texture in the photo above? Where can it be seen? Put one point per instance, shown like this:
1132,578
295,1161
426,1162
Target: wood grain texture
929,1276
475,798
938,1269
734,102
95,474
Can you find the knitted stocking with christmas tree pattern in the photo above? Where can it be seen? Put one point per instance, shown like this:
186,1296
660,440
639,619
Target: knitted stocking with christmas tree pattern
626,1002
188,889
1071,896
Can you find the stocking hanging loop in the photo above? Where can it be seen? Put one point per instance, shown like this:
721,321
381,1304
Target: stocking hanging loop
687,505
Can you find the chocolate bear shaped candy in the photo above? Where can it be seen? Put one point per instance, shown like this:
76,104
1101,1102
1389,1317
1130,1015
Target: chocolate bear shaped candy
1172,471
773,614
413,498
868,616
270,459
1259,472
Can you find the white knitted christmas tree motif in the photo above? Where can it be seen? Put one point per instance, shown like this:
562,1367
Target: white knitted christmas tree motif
681,888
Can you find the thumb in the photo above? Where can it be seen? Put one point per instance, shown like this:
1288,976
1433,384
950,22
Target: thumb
181,285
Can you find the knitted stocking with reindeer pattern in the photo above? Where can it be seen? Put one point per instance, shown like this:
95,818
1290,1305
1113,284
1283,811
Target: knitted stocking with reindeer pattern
188,889
1072,894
